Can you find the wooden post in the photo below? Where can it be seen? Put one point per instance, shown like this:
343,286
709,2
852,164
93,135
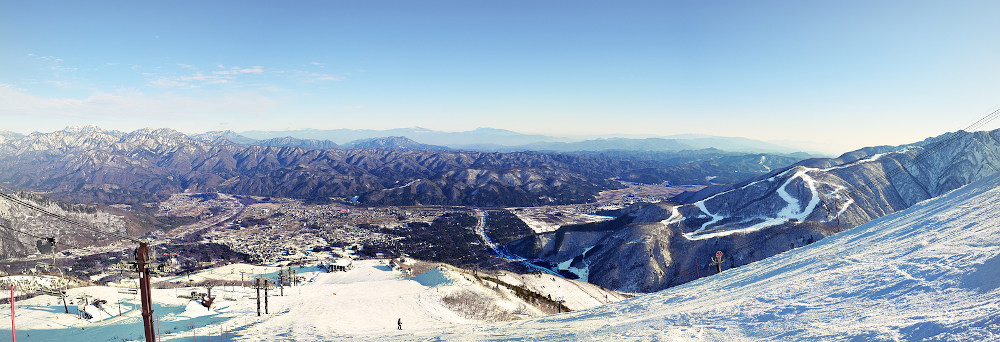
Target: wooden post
141,259
265,296
256,285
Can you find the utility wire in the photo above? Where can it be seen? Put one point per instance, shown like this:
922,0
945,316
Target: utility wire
39,237
64,218
948,141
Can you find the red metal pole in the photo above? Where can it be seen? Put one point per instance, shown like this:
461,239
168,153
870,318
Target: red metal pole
157,328
696,268
12,331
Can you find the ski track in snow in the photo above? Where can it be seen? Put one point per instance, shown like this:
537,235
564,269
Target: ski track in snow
762,158
789,212
792,210
675,216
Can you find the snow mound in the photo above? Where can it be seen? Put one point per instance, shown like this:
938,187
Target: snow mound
195,309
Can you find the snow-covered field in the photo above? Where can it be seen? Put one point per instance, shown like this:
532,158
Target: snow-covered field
366,301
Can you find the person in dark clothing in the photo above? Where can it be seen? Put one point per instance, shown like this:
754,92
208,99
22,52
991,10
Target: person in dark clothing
399,324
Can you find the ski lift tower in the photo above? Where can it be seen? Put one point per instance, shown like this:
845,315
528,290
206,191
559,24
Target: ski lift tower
717,261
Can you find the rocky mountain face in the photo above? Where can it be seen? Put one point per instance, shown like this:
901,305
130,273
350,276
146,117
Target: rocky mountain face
89,164
296,142
230,137
667,245
393,143
224,137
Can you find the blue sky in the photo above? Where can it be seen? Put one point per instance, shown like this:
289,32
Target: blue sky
843,74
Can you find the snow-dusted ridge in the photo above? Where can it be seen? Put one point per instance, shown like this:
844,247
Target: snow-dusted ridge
792,211
930,272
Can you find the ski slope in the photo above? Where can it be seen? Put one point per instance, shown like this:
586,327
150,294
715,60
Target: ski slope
929,272
365,301
792,211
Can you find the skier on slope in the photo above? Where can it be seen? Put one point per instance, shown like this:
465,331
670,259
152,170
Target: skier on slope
399,324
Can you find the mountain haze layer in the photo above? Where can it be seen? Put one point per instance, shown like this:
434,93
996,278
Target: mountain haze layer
500,140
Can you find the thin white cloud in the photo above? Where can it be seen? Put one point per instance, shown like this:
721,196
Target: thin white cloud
199,79
60,84
52,62
317,77
126,106
237,70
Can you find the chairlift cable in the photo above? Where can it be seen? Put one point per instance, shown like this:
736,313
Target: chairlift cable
64,218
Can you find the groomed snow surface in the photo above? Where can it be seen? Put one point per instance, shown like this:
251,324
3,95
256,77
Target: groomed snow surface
363,302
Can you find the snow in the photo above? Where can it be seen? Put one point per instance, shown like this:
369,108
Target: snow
790,212
872,158
195,309
762,159
715,218
237,271
675,216
577,295
929,272
433,278
582,273
364,301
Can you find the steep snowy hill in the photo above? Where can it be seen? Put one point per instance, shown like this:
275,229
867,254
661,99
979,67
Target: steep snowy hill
788,208
928,272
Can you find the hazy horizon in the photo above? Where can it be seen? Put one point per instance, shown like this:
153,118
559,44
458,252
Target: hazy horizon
841,75
792,146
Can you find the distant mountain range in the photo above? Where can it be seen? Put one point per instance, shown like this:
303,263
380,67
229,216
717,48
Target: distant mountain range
90,164
393,143
499,140
423,135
